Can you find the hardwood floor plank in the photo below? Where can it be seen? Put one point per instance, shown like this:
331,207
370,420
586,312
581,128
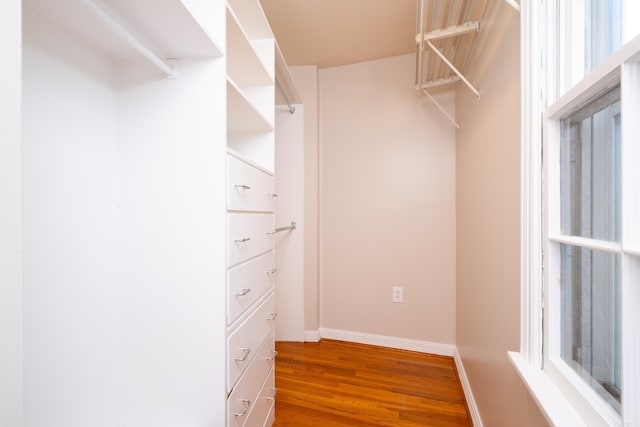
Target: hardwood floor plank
340,384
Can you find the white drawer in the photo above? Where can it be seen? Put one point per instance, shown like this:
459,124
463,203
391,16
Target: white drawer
271,418
244,343
249,188
247,283
260,412
248,236
246,393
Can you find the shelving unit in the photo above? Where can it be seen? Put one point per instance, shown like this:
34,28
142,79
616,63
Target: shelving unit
250,216
149,287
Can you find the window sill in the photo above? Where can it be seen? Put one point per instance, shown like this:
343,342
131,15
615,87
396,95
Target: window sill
555,407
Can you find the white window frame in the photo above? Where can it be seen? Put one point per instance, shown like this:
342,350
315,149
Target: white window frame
551,382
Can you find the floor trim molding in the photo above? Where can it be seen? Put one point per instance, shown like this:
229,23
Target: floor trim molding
312,336
466,387
386,341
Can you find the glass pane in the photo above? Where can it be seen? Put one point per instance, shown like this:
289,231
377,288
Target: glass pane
603,31
590,31
590,170
590,319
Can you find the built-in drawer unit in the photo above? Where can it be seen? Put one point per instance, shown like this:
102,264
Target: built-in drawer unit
248,282
250,188
250,235
244,342
264,404
250,387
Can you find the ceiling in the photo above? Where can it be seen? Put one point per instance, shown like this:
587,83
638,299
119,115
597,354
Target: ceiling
329,33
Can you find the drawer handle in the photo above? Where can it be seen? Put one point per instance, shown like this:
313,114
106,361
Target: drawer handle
243,186
245,354
275,392
275,353
272,195
272,271
246,403
272,316
241,292
242,240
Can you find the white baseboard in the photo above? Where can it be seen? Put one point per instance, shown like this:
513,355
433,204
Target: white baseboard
466,387
312,336
385,341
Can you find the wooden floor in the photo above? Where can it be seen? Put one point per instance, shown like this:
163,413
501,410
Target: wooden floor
335,383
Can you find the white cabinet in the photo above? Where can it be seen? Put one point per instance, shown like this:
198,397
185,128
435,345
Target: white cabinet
143,273
250,215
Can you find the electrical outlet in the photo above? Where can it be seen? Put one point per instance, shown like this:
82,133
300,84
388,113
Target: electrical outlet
397,294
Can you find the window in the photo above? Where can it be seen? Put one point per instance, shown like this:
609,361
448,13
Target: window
581,214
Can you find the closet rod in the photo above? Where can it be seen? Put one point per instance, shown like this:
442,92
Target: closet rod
120,28
292,109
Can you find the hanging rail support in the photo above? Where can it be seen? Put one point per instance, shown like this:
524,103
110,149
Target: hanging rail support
292,109
119,27
451,119
452,31
454,69
439,82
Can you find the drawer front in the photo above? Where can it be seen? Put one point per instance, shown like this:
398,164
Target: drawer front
250,189
260,412
247,283
244,343
247,392
271,418
248,236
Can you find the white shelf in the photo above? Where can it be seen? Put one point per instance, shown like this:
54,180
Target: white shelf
246,59
253,19
242,114
168,29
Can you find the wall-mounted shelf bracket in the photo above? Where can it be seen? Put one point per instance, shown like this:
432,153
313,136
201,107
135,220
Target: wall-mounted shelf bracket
439,82
452,31
451,119
454,69
122,30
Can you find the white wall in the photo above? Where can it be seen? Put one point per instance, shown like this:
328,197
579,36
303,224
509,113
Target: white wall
70,199
171,249
10,217
488,223
387,203
289,245
306,81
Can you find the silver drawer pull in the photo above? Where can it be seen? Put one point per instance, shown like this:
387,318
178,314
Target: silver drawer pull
242,240
245,354
274,353
272,195
243,186
241,292
272,316
246,403
273,396
272,271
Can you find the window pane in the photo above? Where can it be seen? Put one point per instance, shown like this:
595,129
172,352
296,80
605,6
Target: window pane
590,31
604,31
590,170
590,318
